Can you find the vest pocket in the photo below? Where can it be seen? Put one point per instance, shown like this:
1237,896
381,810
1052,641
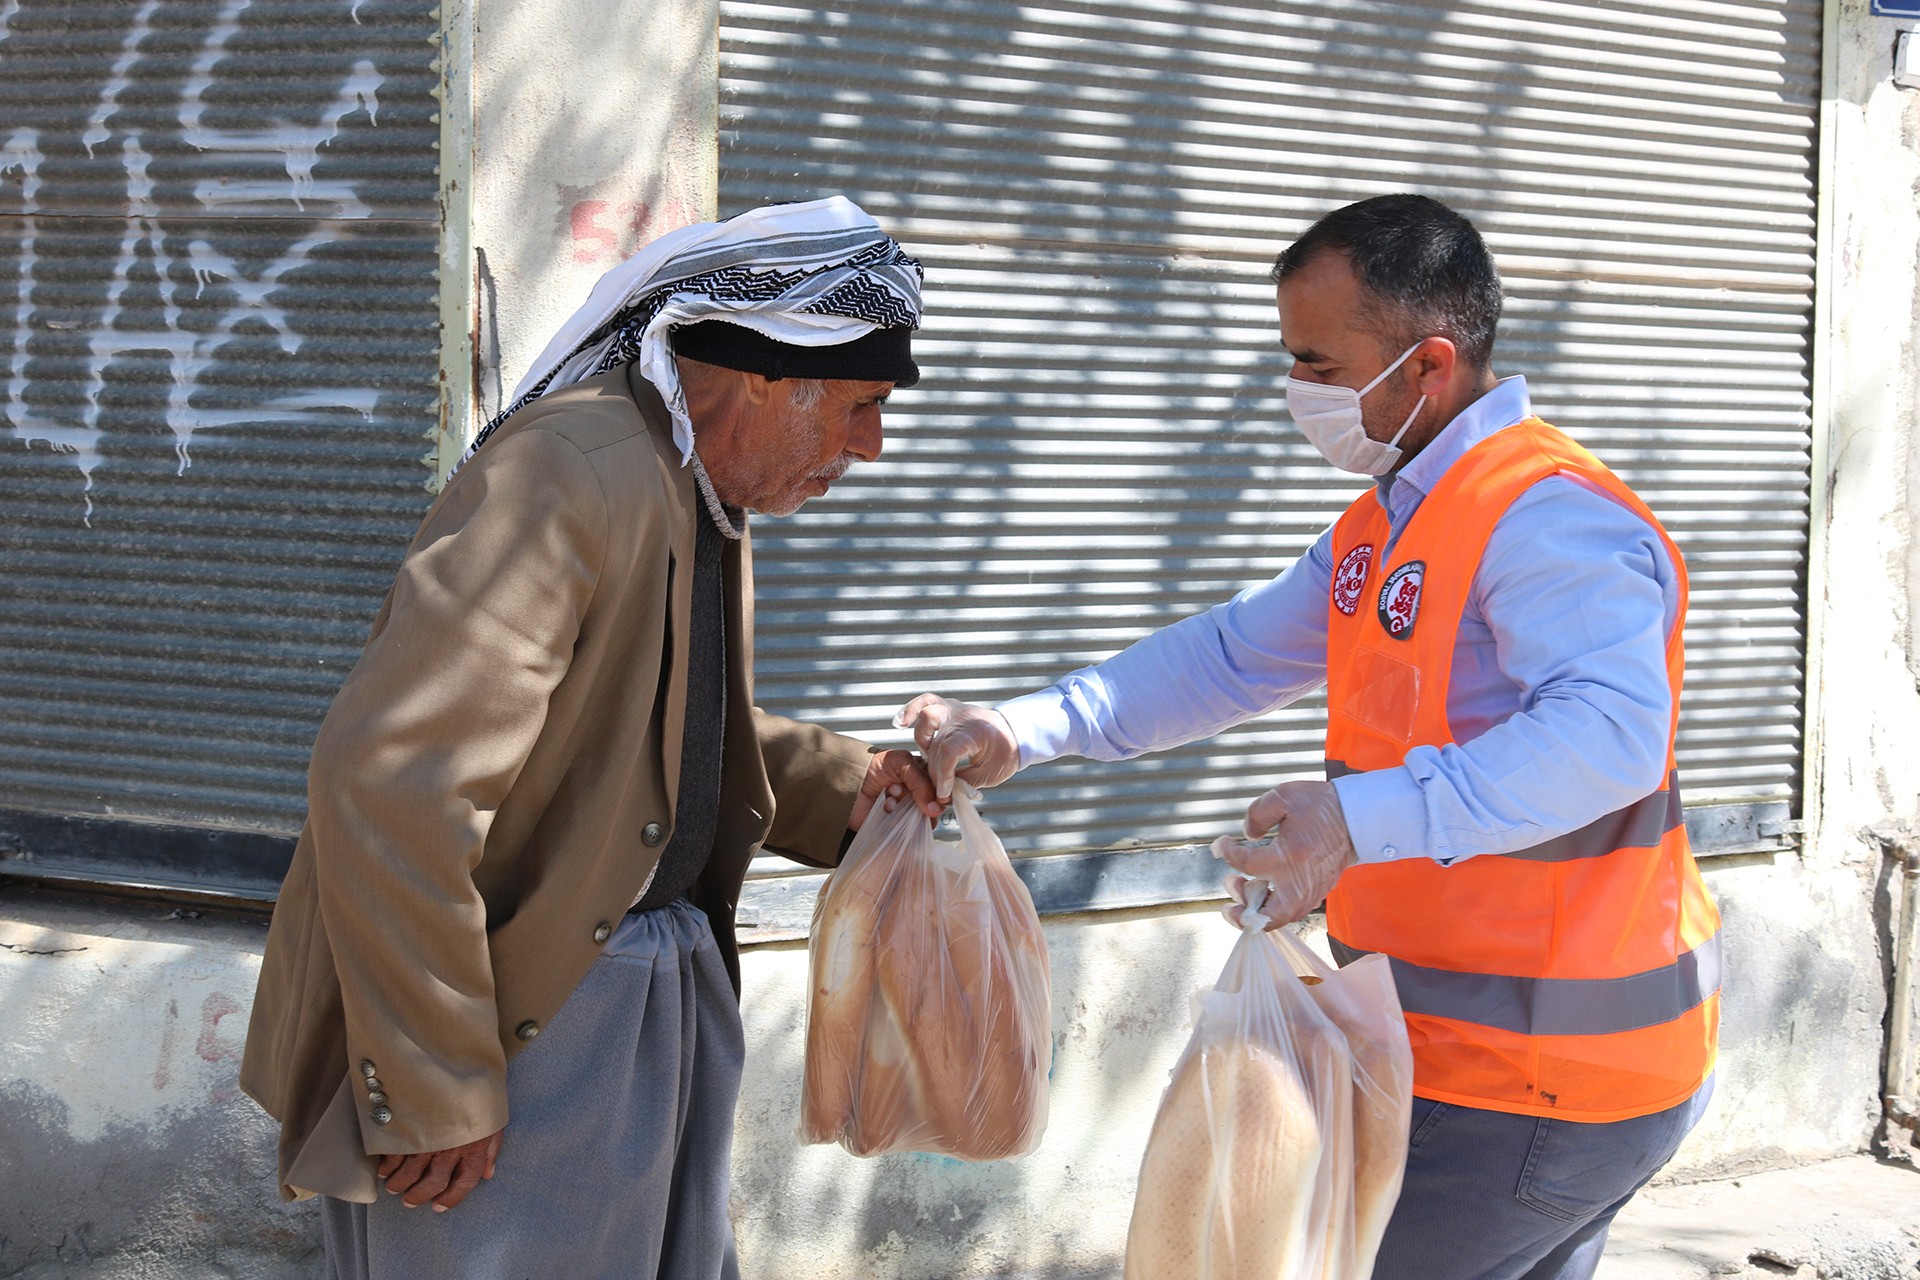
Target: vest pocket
1382,693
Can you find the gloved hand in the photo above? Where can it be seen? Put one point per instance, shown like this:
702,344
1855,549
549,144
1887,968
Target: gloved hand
1297,842
960,739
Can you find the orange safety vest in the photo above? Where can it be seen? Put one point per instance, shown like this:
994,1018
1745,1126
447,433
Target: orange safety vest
1578,978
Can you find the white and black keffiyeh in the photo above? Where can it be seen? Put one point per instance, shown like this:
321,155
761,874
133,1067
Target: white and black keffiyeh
814,274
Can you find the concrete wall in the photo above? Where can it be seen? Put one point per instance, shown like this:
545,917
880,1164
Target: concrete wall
1866,703
126,1147
127,1151
593,133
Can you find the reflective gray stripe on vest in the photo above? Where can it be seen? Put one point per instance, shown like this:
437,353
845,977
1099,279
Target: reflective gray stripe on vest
1556,1006
1640,825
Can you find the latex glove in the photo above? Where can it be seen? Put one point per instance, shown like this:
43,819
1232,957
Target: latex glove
1298,842
959,739
1248,909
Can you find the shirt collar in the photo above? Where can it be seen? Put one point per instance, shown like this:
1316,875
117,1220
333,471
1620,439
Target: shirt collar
1506,404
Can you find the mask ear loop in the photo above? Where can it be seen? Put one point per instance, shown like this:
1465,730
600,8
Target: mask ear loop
1390,368
1418,405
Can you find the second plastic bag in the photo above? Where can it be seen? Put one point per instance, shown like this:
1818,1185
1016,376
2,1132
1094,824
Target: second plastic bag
929,1024
1361,1000
1279,1145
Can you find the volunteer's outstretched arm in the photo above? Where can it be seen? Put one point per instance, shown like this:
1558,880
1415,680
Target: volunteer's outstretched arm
1260,650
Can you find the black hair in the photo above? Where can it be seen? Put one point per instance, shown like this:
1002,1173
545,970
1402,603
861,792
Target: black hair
1423,269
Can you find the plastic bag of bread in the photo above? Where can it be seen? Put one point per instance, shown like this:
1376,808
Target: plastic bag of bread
1361,1000
929,1023
1281,1141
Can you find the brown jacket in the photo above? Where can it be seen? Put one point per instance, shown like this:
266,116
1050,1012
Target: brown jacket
495,782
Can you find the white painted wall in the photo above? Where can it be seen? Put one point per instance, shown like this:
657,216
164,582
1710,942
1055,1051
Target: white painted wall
1867,702
126,1147
165,1045
594,132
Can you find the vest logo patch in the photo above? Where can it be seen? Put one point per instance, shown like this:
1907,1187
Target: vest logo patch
1350,577
1400,598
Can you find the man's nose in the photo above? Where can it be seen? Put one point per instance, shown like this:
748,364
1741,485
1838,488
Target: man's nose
864,441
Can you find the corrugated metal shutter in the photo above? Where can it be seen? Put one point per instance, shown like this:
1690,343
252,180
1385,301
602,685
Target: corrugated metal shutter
218,335
1099,447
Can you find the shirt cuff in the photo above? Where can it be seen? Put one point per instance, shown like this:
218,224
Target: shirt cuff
1386,815
1040,725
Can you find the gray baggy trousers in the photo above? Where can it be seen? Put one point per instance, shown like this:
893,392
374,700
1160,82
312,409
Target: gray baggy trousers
620,1132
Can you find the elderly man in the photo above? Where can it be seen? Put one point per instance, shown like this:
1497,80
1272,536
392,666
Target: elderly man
503,963
1498,626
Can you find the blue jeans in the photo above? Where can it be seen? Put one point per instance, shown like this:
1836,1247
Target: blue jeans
1492,1196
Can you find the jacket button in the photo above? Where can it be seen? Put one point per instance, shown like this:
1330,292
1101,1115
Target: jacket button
381,1115
527,1030
376,1097
366,1066
652,833
602,931
373,1083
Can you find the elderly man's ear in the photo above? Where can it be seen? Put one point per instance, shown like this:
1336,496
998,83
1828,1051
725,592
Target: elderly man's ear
716,384
757,387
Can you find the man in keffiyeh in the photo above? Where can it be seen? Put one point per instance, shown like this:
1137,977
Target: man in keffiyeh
503,968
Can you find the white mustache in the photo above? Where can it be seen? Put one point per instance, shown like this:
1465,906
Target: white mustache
835,469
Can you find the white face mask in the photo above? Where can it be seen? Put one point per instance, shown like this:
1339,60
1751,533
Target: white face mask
1329,417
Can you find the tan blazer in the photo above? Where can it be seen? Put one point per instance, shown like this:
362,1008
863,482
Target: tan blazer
495,782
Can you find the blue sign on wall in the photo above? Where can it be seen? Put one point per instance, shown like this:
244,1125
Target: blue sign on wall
1896,8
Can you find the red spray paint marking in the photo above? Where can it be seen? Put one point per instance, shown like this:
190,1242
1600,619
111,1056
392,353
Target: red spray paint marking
609,230
211,1047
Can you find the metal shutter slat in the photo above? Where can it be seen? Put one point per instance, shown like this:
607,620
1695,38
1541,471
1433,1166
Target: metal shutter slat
219,246
1098,447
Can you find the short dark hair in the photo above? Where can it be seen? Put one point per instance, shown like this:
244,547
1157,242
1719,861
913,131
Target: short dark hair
1422,267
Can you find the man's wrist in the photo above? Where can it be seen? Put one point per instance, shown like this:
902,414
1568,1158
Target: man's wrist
1385,814
1039,725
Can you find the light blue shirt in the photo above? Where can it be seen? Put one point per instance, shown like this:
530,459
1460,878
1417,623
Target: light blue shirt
1559,701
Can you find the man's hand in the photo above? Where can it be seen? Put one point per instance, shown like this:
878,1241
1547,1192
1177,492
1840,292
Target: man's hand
891,777
444,1177
974,743
1298,842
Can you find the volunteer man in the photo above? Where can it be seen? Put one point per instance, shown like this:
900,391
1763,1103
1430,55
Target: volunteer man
1498,625
502,968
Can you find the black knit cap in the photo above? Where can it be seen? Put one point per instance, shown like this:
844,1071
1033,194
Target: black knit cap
884,355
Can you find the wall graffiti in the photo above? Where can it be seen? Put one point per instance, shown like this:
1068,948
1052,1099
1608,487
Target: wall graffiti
209,133
606,231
